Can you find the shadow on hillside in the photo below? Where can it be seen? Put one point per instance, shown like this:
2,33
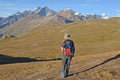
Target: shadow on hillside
106,61
4,59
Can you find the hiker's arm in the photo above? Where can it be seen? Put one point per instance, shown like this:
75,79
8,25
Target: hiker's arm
61,48
73,47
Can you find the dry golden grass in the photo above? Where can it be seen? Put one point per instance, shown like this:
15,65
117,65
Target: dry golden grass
88,67
90,37
97,54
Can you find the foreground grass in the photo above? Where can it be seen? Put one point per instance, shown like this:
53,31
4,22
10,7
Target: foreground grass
89,67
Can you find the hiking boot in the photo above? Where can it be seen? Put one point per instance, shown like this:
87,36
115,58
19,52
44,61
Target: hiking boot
63,74
67,72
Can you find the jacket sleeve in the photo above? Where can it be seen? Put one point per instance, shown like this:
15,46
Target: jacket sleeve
62,46
73,47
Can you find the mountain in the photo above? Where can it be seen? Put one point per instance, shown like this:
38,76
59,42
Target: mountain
30,22
22,22
104,16
13,18
76,16
69,14
18,16
44,11
90,16
1,18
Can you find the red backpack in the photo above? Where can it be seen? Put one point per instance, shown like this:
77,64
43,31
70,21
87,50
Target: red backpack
68,45
67,51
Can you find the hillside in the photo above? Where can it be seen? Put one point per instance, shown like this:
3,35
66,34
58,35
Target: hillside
30,22
90,37
21,23
103,66
37,55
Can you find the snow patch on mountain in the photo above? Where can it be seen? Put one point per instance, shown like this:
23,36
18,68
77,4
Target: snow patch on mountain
104,16
77,13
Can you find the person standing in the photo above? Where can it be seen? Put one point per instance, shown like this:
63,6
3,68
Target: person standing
68,50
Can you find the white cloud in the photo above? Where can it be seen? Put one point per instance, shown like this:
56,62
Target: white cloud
104,16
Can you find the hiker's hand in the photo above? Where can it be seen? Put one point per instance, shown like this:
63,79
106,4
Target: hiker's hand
61,48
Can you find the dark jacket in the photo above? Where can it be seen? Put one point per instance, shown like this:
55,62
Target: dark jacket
70,44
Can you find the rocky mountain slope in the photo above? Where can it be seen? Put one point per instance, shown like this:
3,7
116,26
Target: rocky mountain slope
75,16
20,15
22,22
13,18
31,22
44,11
66,13
1,18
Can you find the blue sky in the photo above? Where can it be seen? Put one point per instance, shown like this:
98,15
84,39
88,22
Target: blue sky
110,7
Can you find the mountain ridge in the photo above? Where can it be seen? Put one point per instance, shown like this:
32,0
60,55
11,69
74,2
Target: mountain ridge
40,16
40,11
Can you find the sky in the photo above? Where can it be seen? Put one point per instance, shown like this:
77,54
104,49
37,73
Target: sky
110,7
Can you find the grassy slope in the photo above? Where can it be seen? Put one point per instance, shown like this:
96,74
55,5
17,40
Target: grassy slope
90,37
88,67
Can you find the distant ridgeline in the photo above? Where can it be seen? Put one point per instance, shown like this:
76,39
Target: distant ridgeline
16,23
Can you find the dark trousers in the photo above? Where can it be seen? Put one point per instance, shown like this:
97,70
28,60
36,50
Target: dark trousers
66,64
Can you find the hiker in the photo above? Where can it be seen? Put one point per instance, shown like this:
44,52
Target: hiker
68,50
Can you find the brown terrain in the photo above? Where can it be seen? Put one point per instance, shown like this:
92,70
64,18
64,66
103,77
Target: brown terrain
89,67
37,56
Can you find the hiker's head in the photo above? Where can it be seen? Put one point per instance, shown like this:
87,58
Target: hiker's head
67,36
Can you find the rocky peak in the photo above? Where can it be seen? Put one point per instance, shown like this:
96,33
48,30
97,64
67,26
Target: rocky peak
44,11
69,14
